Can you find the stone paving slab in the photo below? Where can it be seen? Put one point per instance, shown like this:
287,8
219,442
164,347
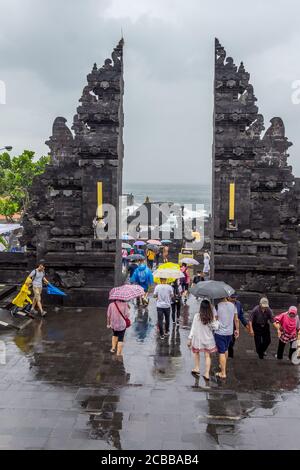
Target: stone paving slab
62,389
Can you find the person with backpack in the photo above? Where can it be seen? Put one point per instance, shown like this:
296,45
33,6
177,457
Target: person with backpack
118,320
37,277
150,258
185,281
176,301
163,293
143,277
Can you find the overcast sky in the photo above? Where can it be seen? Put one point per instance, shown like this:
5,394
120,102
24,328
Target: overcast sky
47,47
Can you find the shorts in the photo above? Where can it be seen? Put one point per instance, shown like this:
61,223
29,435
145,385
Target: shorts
222,342
119,335
37,291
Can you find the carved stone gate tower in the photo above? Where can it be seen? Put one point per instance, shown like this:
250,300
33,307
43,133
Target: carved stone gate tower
255,195
85,171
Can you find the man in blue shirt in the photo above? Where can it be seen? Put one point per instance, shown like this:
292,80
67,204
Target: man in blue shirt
242,319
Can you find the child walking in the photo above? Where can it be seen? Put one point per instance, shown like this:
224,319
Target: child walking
201,337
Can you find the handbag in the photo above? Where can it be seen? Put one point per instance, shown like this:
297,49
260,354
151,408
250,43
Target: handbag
126,319
215,325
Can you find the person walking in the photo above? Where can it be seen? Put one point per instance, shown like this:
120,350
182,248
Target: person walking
131,268
124,258
241,316
185,281
206,265
176,301
117,312
38,278
150,258
287,325
165,254
259,319
227,316
201,337
163,293
143,277
200,277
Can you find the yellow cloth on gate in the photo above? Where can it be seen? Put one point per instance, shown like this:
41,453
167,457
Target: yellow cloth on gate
23,296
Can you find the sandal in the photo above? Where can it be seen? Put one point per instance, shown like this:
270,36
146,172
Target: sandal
112,350
205,378
196,372
219,376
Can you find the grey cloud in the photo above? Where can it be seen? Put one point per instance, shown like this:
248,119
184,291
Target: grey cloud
47,48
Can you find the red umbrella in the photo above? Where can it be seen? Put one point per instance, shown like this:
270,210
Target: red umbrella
126,292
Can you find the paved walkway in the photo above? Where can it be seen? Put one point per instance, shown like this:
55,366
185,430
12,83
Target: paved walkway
62,389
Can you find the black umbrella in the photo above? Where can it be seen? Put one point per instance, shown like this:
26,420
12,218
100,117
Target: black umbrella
212,289
135,257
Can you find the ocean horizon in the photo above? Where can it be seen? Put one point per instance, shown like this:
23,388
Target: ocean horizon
170,192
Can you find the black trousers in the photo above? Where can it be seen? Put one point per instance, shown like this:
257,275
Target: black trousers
163,314
231,346
176,307
280,349
150,263
262,338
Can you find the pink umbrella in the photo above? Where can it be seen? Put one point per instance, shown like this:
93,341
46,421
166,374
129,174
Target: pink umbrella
154,242
126,292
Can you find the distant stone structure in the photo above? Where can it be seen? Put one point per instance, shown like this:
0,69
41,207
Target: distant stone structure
255,195
58,226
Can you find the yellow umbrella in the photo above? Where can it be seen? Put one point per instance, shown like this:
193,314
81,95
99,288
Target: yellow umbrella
173,266
169,266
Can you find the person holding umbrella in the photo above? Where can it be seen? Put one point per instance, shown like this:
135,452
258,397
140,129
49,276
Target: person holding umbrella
227,316
201,337
233,298
38,278
118,314
185,281
163,293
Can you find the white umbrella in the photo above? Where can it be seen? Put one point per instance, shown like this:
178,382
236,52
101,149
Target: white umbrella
190,261
168,274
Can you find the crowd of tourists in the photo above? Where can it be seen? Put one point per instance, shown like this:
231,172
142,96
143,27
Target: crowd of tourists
216,327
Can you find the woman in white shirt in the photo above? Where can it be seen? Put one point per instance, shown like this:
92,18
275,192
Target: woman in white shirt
201,337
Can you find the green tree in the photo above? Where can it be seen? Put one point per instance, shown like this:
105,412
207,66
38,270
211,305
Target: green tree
16,177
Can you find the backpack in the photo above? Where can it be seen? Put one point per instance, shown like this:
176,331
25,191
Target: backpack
150,255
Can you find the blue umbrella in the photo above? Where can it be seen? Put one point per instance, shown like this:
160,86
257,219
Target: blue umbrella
139,243
166,242
52,290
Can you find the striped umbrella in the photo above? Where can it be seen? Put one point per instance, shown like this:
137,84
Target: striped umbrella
126,292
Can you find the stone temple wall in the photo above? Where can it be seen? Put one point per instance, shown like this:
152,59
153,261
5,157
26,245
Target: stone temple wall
255,246
58,226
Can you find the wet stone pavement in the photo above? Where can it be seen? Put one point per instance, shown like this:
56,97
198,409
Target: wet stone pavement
62,389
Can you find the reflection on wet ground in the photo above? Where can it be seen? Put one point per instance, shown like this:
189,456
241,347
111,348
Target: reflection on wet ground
62,389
